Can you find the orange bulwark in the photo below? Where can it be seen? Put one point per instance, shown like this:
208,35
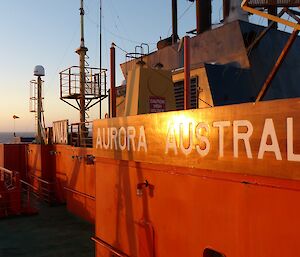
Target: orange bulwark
60,173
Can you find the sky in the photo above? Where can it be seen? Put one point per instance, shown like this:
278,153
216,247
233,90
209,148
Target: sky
47,32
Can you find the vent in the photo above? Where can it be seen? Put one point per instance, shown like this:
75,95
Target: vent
178,91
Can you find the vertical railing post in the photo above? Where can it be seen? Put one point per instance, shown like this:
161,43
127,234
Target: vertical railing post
112,81
187,79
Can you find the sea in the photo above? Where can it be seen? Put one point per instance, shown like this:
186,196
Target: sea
7,137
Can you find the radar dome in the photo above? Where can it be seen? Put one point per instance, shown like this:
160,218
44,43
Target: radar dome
39,70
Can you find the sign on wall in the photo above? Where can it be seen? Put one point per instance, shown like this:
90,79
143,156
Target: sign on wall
157,104
60,132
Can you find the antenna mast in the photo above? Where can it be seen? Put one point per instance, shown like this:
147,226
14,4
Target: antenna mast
81,51
84,84
100,25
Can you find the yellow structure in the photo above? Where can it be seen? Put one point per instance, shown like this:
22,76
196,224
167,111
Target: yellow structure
149,91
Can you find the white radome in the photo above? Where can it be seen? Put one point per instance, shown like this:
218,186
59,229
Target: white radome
39,71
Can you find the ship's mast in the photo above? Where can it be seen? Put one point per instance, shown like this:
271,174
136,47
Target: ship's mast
100,25
81,51
89,91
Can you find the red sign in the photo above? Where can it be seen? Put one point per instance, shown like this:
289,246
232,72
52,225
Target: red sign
157,104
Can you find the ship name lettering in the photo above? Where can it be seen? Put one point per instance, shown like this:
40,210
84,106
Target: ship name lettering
191,136
124,138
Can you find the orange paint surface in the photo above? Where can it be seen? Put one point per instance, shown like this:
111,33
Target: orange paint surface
13,157
80,178
65,167
191,209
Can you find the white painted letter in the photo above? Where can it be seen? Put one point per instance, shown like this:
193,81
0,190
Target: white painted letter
113,138
106,146
130,137
142,139
171,140
188,150
99,140
291,156
122,130
221,125
269,130
242,136
202,152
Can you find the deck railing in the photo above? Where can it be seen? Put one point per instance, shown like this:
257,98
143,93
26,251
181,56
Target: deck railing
81,134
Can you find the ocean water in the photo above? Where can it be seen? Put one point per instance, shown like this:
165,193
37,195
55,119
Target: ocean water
7,137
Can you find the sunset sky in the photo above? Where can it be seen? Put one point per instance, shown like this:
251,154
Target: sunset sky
47,32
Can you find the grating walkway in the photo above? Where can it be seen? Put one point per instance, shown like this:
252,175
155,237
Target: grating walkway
54,232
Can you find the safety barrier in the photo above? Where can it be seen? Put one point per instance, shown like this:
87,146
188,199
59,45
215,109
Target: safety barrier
41,188
81,134
11,201
10,193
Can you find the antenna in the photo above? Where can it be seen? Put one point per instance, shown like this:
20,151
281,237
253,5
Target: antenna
100,25
36,101
82,23
81,51
82,83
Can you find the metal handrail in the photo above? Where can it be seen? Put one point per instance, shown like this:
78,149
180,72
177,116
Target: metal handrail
80,193
41,180
109,247
28,184
76,134
76,66
10,173
44,189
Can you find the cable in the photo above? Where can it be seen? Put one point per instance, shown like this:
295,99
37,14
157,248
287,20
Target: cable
124,38
184,12
64,54
118,17
120,48
116,35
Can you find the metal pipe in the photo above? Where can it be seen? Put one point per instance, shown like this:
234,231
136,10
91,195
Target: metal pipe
198,13
39,111
100,75
174,21
226,9
272,10
277,65
112,94
82,23
203,13
187,78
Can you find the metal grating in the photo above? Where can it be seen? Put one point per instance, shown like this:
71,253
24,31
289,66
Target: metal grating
178,91
277,3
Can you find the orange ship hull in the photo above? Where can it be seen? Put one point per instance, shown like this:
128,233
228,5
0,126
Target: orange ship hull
190,210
